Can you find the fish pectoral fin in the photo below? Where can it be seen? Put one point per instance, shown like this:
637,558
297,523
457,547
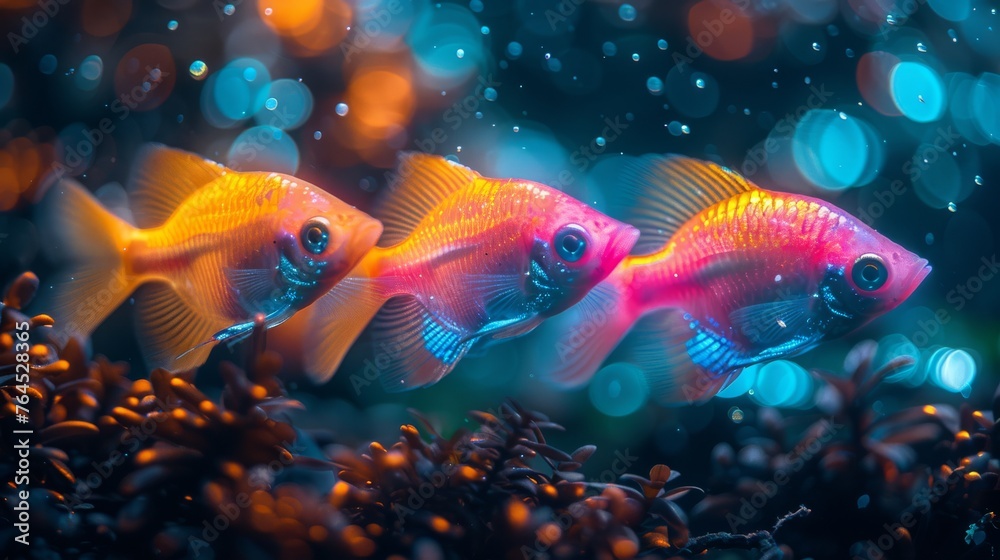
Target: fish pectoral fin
773,323
659,193
254,285
162,178
422,182
684,361
172,334
413,347
502,296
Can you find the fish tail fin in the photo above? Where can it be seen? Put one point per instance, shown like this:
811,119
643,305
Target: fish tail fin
94,242
583,336
337,319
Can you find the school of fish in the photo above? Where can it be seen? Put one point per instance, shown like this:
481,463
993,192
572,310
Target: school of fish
698,275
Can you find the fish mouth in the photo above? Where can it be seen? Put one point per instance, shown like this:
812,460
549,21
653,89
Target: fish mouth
920,271
619,246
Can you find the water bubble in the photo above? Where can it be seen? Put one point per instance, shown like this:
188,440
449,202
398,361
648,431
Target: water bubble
635,57
479,114
921,47
832,30
317,135
484,30
699,83
460,53
807,80
662,44
609,48
953,35
952,207
172,24
600,141
47,64
746,111
229,9
929,239
268,11
271,104
654,85
517,129
849,53
198,70
249,73
476,5
514,49
490,94
627,12
675,128
774,85
842,115
979,180
685,129
341,109
816,47
891,19
736,414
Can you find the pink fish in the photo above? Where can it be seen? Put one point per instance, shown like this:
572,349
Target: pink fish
465,260
728,275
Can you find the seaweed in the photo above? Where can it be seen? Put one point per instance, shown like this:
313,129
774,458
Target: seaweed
154,467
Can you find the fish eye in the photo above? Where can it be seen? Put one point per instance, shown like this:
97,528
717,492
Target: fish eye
571,242
315,236
869,272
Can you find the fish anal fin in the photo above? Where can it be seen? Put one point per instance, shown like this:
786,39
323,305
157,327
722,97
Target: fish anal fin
415,347
659,193
683,361
578,340
162,178
171,333
335,321
422,181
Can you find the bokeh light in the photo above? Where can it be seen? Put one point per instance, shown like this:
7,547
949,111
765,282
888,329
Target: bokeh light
782,383
835,150
618,389
264,148
236,92
917,91
287,105
952,369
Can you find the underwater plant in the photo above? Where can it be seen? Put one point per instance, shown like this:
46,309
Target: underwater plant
125,468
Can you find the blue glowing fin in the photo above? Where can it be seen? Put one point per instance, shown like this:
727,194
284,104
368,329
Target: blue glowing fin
684,360
413,347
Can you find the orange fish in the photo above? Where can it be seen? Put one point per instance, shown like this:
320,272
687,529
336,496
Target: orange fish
214,249
465,261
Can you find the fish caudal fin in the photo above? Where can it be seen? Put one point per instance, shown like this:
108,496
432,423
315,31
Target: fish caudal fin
684,363
413,348
583,336
335,322
172,334
93,241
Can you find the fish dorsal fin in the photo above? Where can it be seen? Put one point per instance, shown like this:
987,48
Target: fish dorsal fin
162,178
422,182
659,193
